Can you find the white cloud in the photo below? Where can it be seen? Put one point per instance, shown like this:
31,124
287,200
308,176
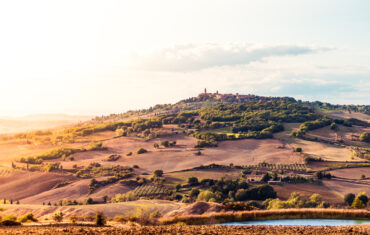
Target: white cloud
197,57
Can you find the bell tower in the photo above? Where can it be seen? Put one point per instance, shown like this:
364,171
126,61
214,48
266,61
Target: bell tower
205,90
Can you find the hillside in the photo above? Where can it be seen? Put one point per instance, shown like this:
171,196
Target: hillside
231,144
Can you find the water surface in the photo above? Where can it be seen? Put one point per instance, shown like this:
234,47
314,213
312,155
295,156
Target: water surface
303,222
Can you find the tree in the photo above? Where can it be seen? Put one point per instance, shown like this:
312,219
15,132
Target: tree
89,201
105,198
316,198
194,192
348,198
358,204
298,149
158,173
266,177
241,195
365,137
155,145
363,197
206,196
165,143
58,217
363,176
319,175
178,187
334,126
193,181
100,219
27,218
266,191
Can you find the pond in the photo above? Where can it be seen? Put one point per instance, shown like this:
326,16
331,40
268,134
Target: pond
303,222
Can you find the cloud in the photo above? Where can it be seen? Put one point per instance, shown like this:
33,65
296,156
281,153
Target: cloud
192,57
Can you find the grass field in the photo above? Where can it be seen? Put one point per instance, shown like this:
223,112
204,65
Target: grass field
125,209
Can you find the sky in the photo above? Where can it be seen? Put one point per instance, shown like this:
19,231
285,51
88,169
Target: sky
100,57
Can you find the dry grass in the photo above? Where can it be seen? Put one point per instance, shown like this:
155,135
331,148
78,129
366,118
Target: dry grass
125,209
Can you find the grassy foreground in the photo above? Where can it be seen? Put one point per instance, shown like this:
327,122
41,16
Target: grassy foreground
172,229
311,213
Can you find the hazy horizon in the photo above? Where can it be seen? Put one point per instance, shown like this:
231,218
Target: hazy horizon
96,58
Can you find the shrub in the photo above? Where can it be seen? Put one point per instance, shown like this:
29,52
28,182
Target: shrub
73,219
96,146
155,215
58,217
365,137
334,126
9,223
10,218
298,149
141,151
358,204
165,143
27,218
129,196
206,196
112,157
363,197
129,154
194,192
316,198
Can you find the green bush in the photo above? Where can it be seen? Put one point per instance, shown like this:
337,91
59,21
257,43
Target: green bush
358,204
158,173
206,196
58,217
129,196
141,151
365,137
165,143
96,146
27,218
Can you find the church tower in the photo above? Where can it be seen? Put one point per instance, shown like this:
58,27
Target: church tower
205,90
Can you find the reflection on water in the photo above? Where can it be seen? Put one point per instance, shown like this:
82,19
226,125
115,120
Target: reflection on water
303,222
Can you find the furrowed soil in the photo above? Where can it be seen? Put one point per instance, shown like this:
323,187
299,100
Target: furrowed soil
205,229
